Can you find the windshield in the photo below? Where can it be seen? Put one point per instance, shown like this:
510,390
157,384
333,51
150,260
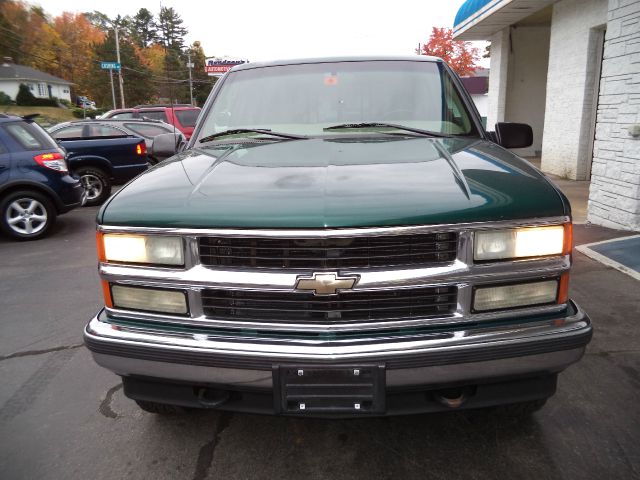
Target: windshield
304,99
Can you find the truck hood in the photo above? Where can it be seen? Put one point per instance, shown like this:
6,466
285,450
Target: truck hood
345,182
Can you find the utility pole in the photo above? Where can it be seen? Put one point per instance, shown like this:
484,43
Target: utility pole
120,69
190,66
113,92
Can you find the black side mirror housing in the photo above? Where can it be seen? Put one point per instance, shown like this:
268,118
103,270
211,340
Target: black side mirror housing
514,135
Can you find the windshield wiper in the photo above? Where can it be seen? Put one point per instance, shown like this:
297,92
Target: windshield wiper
265,131
426,133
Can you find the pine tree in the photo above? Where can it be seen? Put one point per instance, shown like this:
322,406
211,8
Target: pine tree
143,29
170,29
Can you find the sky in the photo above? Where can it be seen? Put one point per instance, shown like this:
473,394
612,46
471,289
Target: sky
276,29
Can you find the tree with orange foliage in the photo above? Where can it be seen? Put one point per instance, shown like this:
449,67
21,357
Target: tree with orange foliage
460,56
80,38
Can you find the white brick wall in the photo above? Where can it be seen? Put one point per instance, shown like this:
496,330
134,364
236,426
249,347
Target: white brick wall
498,78
614,197
571,84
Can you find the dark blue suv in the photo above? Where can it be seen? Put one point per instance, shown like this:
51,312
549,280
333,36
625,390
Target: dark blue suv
35,185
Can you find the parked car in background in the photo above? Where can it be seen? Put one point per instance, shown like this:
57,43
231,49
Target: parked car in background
100,155
147,129
35,185
182,116
84,102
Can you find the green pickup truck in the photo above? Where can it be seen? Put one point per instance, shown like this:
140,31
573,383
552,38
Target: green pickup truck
340,237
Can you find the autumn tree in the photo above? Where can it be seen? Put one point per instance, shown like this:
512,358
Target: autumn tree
79,37
460,55
14,17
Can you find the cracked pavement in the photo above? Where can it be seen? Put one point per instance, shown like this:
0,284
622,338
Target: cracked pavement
62,416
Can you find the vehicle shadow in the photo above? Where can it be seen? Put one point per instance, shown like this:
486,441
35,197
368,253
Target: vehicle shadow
460,445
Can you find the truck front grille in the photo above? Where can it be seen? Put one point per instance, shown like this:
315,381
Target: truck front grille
329,253
348,306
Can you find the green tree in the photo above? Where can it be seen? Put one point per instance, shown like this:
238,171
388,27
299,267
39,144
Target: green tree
202,83
170,30
138,84
142,28
99,19
24,96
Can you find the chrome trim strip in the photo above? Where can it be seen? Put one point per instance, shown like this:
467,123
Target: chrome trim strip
457,272
200,320
299,350
338,232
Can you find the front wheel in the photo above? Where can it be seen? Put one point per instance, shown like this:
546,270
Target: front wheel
26,215
96,183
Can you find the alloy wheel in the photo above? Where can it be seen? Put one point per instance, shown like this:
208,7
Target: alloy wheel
26,216
92,185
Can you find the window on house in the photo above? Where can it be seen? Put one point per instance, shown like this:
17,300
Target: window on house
42,90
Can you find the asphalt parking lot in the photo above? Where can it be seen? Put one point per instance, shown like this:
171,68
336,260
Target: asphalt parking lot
62,416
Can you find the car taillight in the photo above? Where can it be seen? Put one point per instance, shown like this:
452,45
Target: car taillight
141,148
53,161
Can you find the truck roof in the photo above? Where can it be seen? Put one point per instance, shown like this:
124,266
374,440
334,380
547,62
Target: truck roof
300,61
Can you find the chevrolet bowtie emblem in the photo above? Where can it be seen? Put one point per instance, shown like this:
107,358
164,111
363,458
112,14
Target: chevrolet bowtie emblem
325,283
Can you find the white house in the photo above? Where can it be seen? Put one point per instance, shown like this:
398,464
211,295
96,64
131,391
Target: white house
570,69
478,87
41,84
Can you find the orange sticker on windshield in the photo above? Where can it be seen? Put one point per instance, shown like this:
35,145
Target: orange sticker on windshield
331,80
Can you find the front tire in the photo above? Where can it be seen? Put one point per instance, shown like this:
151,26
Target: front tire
26,215
96,183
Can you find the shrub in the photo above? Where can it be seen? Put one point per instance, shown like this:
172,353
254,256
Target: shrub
79,113
27,99
5,99
24,97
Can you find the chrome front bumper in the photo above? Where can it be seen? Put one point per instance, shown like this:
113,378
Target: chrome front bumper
443,357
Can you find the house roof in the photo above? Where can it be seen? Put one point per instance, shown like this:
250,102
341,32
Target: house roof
476,85
11,71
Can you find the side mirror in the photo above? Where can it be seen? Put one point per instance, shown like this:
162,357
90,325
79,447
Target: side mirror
165,145
514,135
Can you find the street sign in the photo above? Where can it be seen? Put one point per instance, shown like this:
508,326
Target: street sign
110,65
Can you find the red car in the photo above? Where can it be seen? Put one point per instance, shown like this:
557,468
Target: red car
182,116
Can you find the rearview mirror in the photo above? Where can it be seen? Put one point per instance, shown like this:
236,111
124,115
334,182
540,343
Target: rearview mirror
514,135
165,145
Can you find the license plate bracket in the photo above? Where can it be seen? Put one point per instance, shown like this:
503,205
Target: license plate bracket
335,389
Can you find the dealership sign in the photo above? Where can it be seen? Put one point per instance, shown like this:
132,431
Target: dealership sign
218,66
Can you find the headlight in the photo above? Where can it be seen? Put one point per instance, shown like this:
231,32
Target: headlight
519,295
147,249
149,299
521,242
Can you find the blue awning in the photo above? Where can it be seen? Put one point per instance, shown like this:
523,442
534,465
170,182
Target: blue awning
468,9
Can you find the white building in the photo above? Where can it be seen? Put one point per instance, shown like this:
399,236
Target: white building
478,87
570,69
42,85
